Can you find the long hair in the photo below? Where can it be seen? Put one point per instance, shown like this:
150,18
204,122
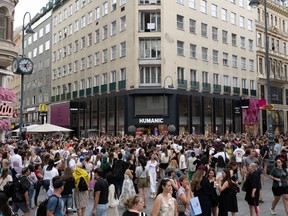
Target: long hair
162,184
227,177
165,151
4,173
196,180
4,207
111,181
67,174
50,165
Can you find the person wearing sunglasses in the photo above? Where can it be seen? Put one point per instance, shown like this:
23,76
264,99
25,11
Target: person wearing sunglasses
134,205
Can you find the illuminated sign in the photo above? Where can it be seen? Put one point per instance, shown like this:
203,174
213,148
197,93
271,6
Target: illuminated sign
150,120
42,108
7,111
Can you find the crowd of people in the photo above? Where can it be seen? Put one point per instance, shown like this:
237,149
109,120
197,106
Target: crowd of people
126,171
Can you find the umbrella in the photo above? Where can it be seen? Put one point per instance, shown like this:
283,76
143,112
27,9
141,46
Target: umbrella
46,128
28,128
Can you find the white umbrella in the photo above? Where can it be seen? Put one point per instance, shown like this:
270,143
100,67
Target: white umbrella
28,128
46,128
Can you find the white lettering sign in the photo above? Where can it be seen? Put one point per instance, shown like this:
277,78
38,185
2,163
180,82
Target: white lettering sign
150,120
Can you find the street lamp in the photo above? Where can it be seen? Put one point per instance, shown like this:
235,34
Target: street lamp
169,86
254,4
29,30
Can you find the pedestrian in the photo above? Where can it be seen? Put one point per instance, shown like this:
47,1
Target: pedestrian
33,181
128,186
134,205
49,172
118,169
55,205
252,189
4,178
175,182
142,180
164,161
279,186
164,204
39,184
5,209
233,207
191,165
69,184
81,197
151,167
113,200
101,193
16,163
239,153
184,195
211,175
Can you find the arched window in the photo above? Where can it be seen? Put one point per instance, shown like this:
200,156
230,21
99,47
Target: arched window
275,21
3,24
283,25
258,14
271,19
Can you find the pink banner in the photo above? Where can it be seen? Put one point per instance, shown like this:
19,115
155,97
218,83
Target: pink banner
251,114
60,114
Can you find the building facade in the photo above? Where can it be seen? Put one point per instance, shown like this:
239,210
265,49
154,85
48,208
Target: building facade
118,66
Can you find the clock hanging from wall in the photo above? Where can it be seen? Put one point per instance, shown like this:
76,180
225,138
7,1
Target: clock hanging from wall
22,65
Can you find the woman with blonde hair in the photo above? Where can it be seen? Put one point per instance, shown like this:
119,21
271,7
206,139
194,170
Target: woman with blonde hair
134,205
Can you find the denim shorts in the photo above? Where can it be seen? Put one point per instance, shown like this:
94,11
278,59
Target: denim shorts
68,201
20,205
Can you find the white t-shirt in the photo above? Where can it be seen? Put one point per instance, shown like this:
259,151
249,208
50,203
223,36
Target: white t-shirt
72,164
16,160
239,152
222,154
182,162
49,174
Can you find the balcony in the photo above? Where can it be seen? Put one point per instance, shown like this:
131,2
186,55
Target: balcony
81,93
253,92
236,90
112,86
122,84
75,94
104,88
245,91
95,90
206,87
194,85
227,89
142,2
182,83
8,51
216,88
53,99
68,95
63,96
57,97
88,91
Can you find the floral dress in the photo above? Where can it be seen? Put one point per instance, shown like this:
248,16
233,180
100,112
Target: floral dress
127,189
167,209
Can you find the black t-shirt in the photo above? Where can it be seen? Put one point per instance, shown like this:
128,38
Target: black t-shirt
263,150
129,213
102,186
68,186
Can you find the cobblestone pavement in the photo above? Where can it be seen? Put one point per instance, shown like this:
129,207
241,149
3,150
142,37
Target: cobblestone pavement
242,205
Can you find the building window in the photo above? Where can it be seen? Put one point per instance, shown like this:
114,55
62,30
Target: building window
215,56
113,28
105,8
233,18
241,21
192,26
96,80
235,82
224,14
234,61
113,5
105,32
113,52
226,80
76,26
150,76
180,48
113,76
83,64
90,15
82,45
251,65
104,56
104,78
243,63
249,25
250,44
214,10
225,59
203,30
123,49
89,61
192,4
83,21
150,21
216,79
224,36
150,48
193,51
242,42
193,75
205,77
203,6
252,84
244,84
97,13
97,36
180,73
96,58
259,39
122,74
214,33
89,40
234,39
204,54
260,65
122,23
180,22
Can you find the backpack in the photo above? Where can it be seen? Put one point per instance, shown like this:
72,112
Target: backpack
42,208
8,189
118,171
14,189
82,185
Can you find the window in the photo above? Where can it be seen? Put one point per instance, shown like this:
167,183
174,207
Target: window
180,73
193,50
224,36
64,51
235,82
203,30
64,70
180,48
250,44
214,10
104,55
123,23
89,40
70,29
243,63
69,68
234,39
233,18
113,5
122,74
47,45
259,39
284,48
96,58
82,84
192,4
75,66
113,28
193,75
252,84
96,80
203,6
204,54
41,32
224,14
76,5
234,61
83,42
113,76
150,76
113,52
69,50
214,33
122,2
244,85
75,86
89,61
242,42
241,21
34,52
83,21
82,3
241,3
180,1
76,46
180,22
97,36
105,32
249,25
204,76
251,65
215,56
89,18
47,28
76,26
89,82
105,8
192,26
83,64
150,48
97,13
215,79
104,78
260,65
225,59
123,49
226,80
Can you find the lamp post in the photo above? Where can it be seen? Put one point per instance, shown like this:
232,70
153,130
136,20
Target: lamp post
169,86
254,4
29,30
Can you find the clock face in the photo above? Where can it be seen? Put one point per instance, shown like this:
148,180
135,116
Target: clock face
15,65
26,65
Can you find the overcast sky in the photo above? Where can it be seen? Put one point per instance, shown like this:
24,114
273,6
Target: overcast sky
32,6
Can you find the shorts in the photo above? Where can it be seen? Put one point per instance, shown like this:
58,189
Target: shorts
142,183
278,191
163,166
20,205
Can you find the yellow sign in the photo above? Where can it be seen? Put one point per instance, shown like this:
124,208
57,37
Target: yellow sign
268,107
42,108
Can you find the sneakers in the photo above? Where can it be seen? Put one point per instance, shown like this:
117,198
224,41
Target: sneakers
272,211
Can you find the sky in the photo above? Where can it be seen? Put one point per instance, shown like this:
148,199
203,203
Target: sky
32,6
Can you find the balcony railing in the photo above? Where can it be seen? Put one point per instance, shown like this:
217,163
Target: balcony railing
122,84
88,91
141,2
81,93
195,85
104,88
227,89
182,83
57,97
112,86
63,96
244,91
95,90
206,87
68,95
53,99
217,88
253,92
236,90
75,94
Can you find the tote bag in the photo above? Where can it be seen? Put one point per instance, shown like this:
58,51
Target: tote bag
195,206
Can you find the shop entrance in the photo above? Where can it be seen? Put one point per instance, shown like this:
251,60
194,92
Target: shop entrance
151,129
